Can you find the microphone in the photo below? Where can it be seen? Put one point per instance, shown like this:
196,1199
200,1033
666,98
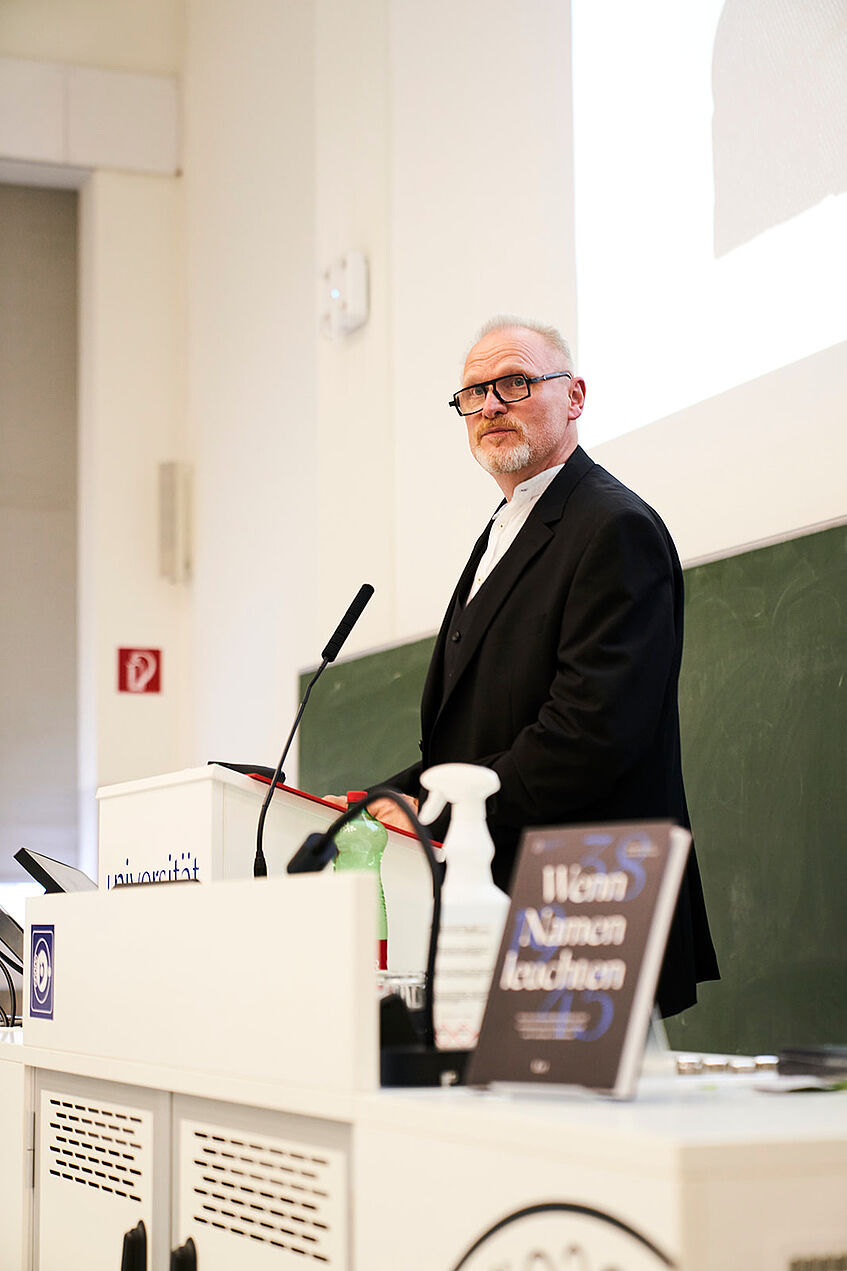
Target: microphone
330,653
347,623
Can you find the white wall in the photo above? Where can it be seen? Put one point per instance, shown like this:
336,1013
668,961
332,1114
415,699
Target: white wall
481,168
416,110
765,460
118,35
311,130
355,457
249,176
437,139
131,356
406,113
131,405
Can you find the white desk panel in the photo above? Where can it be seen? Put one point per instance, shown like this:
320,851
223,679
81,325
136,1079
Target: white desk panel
261,979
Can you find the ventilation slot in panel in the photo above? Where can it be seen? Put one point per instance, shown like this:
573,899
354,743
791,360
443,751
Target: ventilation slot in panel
282,1194
94,1146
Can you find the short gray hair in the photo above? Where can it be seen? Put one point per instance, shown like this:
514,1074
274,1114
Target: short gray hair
550,333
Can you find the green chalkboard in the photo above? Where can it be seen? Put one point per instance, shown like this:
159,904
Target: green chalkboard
763,700
363,719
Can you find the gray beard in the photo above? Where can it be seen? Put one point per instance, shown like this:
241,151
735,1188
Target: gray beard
504,460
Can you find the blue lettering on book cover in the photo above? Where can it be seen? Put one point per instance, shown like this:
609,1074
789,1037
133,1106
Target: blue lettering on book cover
573,956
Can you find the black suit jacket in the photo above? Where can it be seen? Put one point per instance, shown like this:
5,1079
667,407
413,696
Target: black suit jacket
561,675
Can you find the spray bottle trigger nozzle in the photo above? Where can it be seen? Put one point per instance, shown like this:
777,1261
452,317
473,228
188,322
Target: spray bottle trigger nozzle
433,807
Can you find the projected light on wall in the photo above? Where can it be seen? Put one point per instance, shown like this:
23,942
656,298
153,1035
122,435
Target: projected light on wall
711,197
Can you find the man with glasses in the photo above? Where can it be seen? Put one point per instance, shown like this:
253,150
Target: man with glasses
558,658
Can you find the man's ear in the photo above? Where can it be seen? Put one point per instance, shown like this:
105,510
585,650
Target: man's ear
577,398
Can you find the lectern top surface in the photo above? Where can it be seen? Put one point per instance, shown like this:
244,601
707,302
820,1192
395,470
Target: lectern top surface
185,776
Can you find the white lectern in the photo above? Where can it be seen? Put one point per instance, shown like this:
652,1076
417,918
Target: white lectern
204,1058
201,824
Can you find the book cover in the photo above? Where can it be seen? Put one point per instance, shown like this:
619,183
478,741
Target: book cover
575,980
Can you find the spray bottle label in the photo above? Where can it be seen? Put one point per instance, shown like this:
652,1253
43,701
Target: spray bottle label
467,952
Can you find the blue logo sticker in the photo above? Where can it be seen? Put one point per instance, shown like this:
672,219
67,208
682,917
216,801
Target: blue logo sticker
41,973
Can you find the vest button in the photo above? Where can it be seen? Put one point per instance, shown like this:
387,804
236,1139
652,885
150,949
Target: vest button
456,637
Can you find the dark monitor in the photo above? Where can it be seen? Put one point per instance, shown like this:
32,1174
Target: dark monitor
54,876
11,942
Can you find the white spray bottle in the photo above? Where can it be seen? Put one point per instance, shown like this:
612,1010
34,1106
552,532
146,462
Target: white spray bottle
473,910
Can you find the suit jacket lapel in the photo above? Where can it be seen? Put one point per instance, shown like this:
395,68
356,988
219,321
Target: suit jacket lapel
533,538
431,697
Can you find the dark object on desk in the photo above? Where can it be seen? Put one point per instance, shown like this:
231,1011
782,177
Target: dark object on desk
11,942
247,769
829,1062
11,959
396,1025
312,855
407,1066
54,876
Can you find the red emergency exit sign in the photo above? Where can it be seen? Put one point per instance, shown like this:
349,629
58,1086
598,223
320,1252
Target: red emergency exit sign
139,670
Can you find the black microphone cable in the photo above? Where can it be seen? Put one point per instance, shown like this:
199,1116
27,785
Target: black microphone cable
13,999
318,850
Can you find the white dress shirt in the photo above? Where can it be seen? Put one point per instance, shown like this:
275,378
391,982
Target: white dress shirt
508,521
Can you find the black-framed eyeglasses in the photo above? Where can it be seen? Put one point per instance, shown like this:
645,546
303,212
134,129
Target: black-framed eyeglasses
506,388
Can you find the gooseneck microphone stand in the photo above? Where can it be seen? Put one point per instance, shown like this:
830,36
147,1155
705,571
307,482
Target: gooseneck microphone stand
329,654
260,866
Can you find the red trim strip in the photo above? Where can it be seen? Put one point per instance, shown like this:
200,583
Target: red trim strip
313,798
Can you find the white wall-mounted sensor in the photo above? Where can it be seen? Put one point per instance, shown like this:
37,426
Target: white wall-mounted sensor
344,295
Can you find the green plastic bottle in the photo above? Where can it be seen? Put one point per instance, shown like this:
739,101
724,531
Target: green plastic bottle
361,843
